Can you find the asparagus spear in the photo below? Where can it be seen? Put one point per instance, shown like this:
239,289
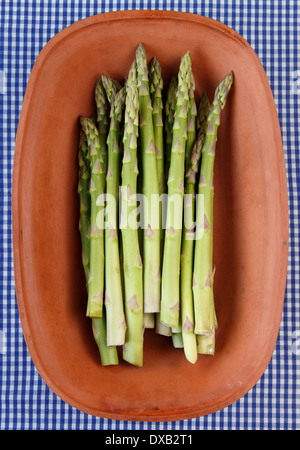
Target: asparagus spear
205,342
170,106
156,87
187,306
102,118
202,114
133,269
191,123
115,317
173,233
97,186
108,355
85,201
151,235
205,317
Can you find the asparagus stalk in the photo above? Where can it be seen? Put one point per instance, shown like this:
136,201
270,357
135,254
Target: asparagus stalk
187,305
115,317
151,235
156,86
173,233
108,355
85,201
202,114
191,123
170,106
205,317
102,118
97,186
133,269
205,342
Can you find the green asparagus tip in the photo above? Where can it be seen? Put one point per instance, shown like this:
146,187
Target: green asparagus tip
140,52
155,75
87,124
84,122
224,88
111,87
131,108
132,75
119,101
195,158
203,111
141,63
171,98
185,75
100,98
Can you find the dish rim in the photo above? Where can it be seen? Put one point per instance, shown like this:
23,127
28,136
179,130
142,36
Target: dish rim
17,226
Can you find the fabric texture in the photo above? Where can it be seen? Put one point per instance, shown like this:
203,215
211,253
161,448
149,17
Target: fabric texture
271,28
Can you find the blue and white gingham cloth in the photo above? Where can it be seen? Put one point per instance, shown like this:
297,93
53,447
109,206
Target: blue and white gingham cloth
271,28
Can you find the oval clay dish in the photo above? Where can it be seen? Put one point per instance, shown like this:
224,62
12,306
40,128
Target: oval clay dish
250,231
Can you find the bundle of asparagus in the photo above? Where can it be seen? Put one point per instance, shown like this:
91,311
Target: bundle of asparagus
160,145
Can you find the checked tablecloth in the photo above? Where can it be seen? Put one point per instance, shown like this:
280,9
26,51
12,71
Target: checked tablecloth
271,28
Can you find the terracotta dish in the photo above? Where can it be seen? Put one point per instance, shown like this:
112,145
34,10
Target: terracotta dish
250,231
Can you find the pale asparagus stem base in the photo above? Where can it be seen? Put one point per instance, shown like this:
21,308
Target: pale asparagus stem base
162,328
177,340
170,300
202,265
132,262
205,316
133,277
206,343
115,316
151,236
95,302
108,354
149,320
